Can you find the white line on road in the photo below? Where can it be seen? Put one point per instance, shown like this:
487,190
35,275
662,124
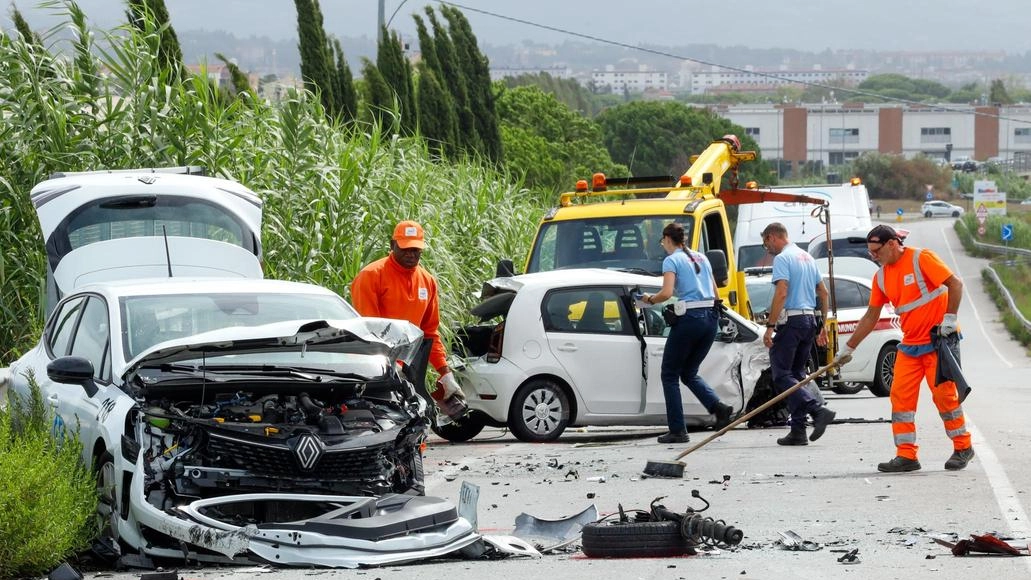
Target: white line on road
970,301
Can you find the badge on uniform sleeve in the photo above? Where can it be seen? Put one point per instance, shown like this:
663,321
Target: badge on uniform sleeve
908,279
424,294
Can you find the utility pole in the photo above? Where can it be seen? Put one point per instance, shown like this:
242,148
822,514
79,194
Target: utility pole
380,21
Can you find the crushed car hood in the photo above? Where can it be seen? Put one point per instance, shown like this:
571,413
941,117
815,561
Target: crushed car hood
393,339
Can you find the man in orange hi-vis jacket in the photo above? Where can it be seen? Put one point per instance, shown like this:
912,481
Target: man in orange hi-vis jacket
398,287
925,294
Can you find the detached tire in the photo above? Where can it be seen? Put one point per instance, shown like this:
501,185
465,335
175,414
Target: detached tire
634,540
462,430
884,374
539,411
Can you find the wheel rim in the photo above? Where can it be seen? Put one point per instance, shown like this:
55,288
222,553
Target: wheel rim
542,411
887,370
107,504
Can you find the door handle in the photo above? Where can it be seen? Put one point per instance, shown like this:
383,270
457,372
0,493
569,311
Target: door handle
567,348
53,400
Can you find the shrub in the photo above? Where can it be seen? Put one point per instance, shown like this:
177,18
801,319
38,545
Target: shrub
47,496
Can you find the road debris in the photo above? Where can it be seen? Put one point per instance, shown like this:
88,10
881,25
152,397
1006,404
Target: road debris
551,535
850,557
789,540
987,544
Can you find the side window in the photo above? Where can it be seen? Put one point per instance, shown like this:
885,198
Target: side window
592,310
92,338
63,325
849,294
654,323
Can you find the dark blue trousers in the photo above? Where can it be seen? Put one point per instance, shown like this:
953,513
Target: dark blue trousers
688,342
789,354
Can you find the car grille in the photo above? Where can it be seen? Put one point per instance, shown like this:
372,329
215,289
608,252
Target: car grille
285,460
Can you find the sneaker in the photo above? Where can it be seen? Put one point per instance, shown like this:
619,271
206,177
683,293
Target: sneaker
723,412
821,418
674,438
794,438
960,458
899,465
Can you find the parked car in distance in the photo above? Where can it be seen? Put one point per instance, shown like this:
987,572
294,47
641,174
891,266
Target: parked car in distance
1026,201
937,208
873,361
569,347
965,164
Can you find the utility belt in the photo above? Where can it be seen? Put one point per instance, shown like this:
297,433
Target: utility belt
789,312
672,312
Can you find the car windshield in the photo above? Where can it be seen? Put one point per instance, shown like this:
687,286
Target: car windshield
625,242
760,294
150,320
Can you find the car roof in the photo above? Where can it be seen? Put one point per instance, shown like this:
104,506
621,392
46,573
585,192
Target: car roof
573,277
174,286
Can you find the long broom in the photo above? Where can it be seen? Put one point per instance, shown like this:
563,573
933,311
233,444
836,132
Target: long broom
675,468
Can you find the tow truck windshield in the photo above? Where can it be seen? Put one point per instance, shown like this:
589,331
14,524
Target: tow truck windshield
620,242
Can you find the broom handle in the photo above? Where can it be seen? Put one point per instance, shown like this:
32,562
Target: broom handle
765,405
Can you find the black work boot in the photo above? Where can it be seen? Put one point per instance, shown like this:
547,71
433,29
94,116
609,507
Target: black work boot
795,437
723,412
821,418
674,437
960,458
899,465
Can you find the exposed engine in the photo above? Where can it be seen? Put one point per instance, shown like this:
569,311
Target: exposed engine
242,442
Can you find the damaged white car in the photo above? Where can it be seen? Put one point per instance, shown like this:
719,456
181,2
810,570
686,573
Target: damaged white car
228,417
568,348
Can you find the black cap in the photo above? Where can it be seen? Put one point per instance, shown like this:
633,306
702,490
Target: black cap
882,234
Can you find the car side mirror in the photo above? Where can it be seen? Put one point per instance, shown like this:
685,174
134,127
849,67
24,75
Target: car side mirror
74,370
718,261
505,269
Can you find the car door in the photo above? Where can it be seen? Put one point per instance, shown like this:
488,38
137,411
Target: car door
589,333
90,339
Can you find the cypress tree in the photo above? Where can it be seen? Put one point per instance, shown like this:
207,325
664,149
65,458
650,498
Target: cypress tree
347,96
379,96
451,74
437,120
315,69
169,53
476,70
240,82
397,73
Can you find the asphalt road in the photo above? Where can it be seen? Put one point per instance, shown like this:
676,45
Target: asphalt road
829,493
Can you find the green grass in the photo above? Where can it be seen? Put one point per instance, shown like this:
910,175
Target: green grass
47,498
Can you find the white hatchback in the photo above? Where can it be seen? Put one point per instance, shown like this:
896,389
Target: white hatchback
938,208
569,347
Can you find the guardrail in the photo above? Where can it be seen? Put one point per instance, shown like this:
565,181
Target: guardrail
1004,250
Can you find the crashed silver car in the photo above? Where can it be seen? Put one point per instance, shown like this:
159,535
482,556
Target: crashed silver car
231,415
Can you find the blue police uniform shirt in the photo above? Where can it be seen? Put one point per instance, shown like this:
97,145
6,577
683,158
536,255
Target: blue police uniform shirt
689,285
797,267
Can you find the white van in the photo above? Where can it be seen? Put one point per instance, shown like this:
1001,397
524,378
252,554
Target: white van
849,209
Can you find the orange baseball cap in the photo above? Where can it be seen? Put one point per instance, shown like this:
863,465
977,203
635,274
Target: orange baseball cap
409,234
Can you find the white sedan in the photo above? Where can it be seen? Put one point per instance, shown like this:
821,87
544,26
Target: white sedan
938,208
569,347
873,362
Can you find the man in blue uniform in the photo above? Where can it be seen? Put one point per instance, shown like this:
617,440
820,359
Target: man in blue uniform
793,315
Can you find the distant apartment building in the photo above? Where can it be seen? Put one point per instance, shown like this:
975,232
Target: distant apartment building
837,133
724,80
636,80
501,72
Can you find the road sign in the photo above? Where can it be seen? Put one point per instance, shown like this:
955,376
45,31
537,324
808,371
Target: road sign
929,196
982,211
898,211
1007,232
980,230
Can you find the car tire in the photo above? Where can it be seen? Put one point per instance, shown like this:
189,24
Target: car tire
847,388
927,214
955,214
884,372
462,430
108,502
634,540
539,411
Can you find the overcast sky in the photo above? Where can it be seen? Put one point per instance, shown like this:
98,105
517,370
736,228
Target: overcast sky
912,25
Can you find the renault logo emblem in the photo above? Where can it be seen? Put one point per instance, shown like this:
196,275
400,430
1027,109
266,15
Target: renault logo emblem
308,451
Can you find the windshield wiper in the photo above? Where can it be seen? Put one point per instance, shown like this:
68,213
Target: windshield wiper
306,373
638,271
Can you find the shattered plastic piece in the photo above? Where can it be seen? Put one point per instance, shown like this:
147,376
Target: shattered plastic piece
511,546
789,540
850,557
550,535
64,572
986,544
468,498
599,479
173,575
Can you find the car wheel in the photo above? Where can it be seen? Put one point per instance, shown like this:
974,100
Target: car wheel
108,508
955,214
847,388
539,411
461,430
885,370
927,214
634,540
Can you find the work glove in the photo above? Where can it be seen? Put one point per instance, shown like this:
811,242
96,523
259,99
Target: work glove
449,383
844,355
948,325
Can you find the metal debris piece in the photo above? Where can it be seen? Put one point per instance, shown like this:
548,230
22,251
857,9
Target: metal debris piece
850,557
573,473
789,540
468,498
550,535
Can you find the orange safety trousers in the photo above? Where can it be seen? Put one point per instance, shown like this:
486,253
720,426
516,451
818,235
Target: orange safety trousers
905,390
